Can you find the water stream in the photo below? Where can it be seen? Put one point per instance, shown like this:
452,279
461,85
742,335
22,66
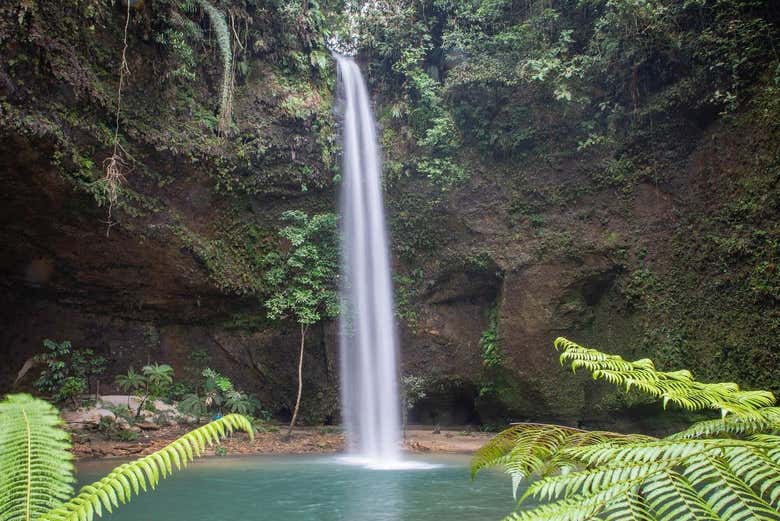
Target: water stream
369,386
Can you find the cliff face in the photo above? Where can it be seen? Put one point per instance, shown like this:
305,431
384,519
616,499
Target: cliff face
669,271
179,268
677,263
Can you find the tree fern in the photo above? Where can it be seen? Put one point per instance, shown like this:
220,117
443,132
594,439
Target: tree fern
36,473
721,469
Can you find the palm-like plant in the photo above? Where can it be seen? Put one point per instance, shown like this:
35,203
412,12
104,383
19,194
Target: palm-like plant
131,382
721,469
36,472
158,375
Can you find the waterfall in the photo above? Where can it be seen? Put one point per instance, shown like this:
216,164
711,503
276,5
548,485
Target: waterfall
369,386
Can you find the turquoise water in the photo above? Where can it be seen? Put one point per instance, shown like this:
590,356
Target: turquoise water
320,488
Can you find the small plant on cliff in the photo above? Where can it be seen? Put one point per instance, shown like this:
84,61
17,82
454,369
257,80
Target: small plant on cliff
302,277
36,473
724,468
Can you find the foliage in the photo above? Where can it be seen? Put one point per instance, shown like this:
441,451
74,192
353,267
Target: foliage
219,25
726,468
131,381
217,395
152,383
302,276
115,429
36,473
677,387
495,382
68,372
490,342
507,78
72,387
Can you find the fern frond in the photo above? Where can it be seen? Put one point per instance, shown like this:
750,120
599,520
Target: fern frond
726,469
527,449
132,478
220,28
733,480
36,472
677,387
665,449
766,420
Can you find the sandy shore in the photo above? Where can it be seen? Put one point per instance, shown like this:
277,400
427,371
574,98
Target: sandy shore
307,440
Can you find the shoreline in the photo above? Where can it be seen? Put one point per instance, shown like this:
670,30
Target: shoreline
91,446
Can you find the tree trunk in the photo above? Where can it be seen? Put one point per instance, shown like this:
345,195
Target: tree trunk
300,382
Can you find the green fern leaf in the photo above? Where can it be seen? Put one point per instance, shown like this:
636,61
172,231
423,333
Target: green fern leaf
119,486
726,469
36,472
766,420
676,387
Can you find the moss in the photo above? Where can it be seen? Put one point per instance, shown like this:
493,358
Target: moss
233,256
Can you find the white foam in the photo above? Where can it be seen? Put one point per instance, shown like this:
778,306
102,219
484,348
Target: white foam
385,464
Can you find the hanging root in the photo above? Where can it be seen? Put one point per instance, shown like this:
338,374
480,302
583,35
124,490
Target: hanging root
116,166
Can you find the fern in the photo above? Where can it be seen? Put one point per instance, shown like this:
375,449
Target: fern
220,27
529,449
766,420
125,480
723,469
677,387
36,473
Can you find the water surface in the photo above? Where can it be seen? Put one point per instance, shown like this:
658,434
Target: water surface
320,488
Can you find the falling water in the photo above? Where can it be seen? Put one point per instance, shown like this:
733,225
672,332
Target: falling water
369,384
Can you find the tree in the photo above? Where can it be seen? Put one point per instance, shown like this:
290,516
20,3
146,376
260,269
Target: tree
724,468
302,278
36,473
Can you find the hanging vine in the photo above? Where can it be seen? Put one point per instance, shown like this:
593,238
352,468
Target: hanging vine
220,27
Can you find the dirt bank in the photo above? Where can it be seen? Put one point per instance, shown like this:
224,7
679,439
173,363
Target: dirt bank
303,441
